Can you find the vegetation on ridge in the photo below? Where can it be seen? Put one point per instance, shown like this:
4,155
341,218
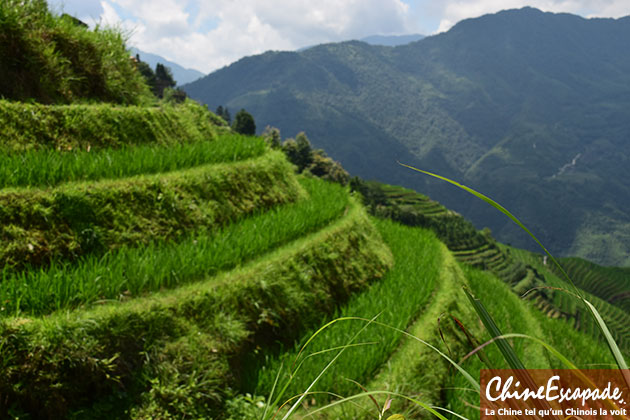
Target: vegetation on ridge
52,59
94,126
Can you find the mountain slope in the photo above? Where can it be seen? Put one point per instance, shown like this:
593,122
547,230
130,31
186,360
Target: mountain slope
531,108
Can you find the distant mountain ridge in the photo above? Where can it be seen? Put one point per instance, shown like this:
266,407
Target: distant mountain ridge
391,40
531,108
382,40
181,74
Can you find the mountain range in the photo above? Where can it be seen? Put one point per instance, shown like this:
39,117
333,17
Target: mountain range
530,108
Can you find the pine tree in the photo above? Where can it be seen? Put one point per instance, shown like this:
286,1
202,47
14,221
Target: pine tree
164,79
244,123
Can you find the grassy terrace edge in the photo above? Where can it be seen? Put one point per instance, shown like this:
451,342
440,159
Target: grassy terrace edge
82,126
91,217
108,359
133,271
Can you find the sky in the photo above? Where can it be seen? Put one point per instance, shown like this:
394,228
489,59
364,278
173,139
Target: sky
209,34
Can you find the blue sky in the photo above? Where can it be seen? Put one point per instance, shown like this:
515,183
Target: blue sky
209,34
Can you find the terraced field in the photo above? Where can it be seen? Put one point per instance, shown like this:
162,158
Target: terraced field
524,272
172,287
155,277
616,318
608,283
383,359
156,265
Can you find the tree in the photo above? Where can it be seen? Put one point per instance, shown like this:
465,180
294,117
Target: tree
163,79
176,96
244,123
324,167
298,151
304,151
271,135
147,72
227,117
224,113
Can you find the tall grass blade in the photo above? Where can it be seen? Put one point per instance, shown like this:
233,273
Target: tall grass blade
334,359
506,350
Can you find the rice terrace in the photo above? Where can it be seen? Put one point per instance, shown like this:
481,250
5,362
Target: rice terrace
158,262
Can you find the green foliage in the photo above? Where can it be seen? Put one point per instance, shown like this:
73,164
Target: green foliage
174,96
303,152
272,137
51,59
244,123
83,127
147,72
315,162
163,79
324,167
244,407
225,114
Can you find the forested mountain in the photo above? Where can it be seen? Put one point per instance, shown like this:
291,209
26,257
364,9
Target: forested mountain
531,108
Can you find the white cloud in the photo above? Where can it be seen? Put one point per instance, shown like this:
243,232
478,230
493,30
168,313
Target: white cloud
222,32
109,16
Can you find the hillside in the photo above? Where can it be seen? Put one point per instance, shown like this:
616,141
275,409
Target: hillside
154,264
529,107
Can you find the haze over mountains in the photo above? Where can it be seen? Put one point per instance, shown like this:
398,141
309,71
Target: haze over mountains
530,108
